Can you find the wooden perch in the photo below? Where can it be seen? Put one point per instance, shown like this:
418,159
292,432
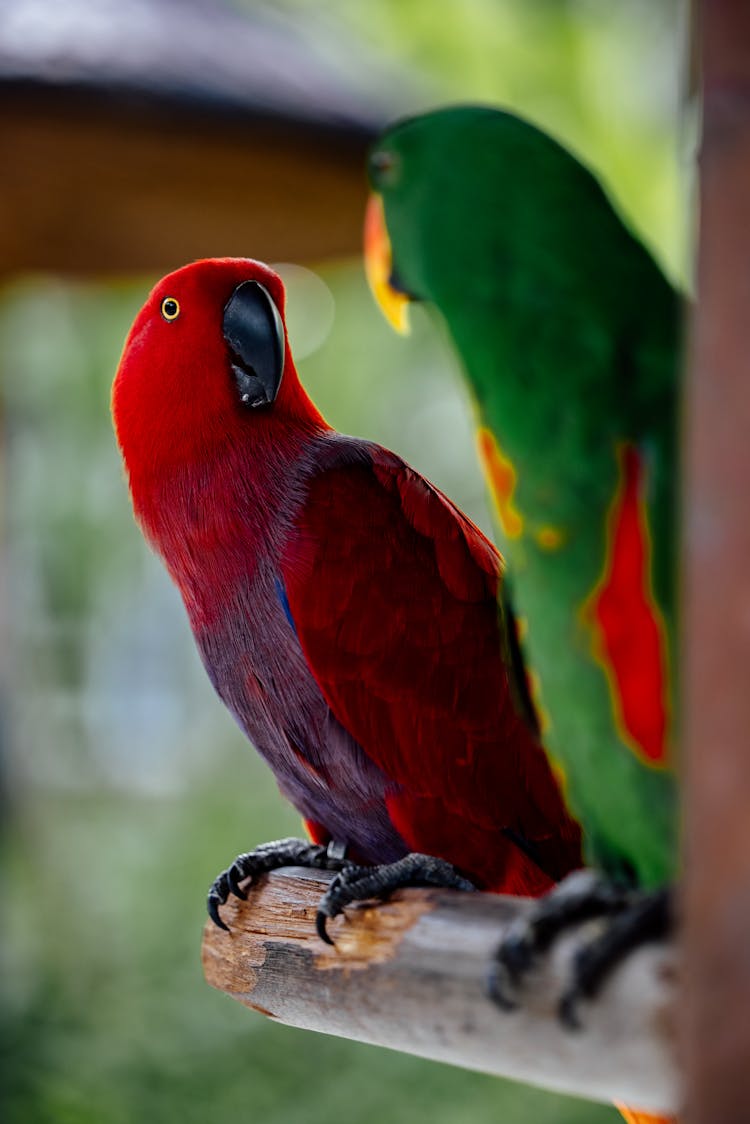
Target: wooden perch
410,974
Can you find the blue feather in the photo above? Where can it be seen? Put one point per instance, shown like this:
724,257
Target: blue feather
284,601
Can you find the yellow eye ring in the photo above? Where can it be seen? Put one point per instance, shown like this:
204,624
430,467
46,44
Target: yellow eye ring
170,308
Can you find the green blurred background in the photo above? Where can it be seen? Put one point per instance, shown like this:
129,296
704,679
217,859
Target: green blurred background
126,785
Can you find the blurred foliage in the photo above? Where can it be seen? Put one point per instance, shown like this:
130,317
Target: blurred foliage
606,77
130,785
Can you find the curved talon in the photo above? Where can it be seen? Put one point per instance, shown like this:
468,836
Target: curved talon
214,901
567,1009
333,901
582,984
499,986
321,920
513,960
516,954
267,857
355,883
628,918
352,882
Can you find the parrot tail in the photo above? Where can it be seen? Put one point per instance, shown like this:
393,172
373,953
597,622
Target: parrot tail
635,1116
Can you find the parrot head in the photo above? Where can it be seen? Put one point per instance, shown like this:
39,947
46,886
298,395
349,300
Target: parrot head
468,201
206,363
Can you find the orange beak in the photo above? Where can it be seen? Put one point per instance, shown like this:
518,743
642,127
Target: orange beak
379,265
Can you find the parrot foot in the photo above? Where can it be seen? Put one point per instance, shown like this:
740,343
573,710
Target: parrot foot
360,883
635,918
271,856
648,918
584,894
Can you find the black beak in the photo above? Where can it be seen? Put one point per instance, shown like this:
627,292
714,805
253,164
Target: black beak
254,333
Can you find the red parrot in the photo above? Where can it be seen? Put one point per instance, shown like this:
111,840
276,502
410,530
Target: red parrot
345,610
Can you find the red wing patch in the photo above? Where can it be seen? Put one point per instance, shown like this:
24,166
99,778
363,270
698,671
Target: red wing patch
629,632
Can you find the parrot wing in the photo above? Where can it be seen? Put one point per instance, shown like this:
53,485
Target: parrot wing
393,593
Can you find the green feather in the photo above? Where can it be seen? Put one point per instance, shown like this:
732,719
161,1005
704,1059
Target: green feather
569,336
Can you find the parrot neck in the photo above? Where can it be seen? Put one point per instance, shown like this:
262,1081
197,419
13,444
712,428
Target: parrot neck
215,515
189,457
496,372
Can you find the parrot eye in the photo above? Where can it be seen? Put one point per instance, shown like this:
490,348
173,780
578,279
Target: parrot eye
384,167
170,308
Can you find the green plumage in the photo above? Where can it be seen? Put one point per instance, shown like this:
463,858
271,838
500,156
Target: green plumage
569,335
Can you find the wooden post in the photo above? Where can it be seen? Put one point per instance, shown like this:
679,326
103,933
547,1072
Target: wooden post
411,974
716,698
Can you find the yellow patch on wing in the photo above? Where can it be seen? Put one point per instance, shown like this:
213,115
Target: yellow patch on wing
550,538
535,692
560,776
534,683
501,480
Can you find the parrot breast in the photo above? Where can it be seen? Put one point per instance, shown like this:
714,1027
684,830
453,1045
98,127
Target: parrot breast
226,570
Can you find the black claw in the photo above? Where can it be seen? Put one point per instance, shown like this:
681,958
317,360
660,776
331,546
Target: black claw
213,911
217,895
518,955
352,883
631,918
321,920
648,917
567,1010
581,896
267,857
496,988
361,883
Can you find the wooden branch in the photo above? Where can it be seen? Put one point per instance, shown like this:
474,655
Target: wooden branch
410,974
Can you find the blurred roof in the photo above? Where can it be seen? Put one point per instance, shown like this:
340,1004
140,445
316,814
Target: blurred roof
146,132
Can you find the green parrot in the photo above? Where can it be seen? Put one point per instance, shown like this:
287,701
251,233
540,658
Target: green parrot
569,336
